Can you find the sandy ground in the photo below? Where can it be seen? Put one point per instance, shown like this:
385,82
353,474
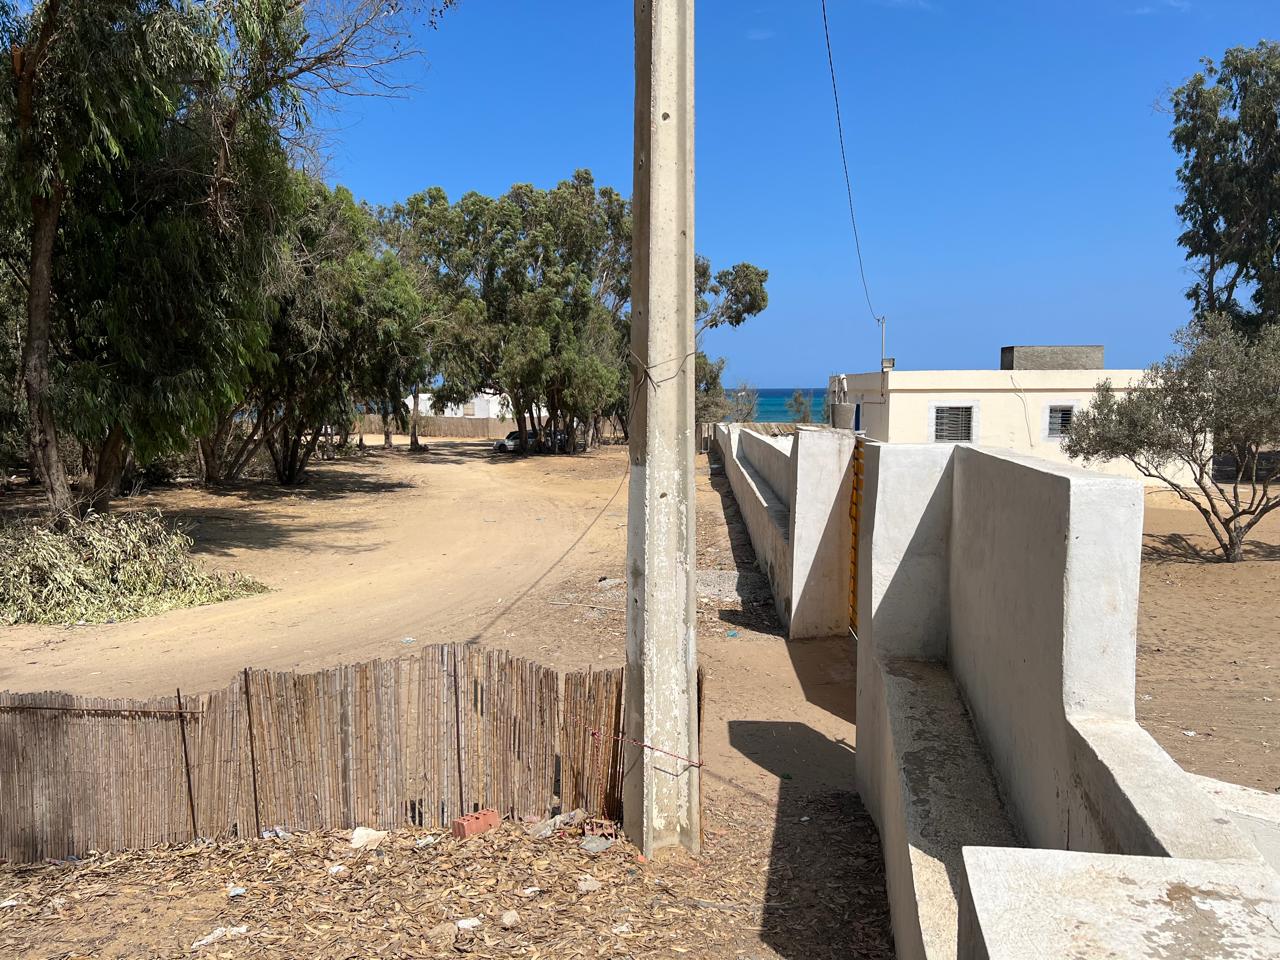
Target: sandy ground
1209,647
460,545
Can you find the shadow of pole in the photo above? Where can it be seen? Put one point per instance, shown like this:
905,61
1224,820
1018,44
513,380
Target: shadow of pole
825,895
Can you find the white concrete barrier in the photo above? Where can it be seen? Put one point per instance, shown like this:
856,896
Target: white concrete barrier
1010,585
1053,905
764,512
794,494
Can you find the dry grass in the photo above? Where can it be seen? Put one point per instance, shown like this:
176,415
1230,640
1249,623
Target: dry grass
103,568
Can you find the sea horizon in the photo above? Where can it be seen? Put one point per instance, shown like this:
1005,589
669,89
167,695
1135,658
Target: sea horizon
772,403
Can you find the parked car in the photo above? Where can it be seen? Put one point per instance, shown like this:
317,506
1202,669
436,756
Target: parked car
511,442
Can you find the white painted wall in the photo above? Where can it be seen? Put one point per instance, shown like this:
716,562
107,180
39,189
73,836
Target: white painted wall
821,480
765,514
1011,407
771,457
904,534
1018,578
794,494
481,406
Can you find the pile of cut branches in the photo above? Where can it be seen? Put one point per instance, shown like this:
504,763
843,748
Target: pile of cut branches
102,568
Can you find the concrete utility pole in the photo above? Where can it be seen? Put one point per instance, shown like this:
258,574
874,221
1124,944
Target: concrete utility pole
660,791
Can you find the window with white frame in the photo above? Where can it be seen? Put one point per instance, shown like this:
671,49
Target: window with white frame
953,424
1059,420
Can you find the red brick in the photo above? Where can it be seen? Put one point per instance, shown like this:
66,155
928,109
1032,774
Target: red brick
474,823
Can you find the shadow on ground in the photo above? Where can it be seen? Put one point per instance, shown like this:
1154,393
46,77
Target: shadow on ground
1179,548
826,896
826,668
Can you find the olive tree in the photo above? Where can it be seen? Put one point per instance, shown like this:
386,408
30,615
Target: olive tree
1218,394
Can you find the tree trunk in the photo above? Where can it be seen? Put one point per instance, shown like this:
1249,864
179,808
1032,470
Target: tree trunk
1234,551
522,424
413,423
43,434
539,427
112,456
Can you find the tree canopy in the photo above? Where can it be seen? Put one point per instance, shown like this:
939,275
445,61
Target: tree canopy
1226,129
145,202
174,279
531,293
1219,393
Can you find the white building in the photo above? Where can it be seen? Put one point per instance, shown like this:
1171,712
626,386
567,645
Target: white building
1025,406
482,406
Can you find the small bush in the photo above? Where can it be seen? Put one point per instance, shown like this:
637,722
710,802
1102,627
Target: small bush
105,567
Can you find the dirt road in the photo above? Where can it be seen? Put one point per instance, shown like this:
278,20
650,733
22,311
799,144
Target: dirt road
436,547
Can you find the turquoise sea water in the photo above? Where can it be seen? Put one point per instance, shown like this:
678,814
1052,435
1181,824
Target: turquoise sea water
773,404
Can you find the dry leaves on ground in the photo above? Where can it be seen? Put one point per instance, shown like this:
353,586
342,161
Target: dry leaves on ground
421,894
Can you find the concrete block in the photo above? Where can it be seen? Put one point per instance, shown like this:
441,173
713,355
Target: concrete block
1090,357
1054,905
766,516
1043,591
771,458
1256,813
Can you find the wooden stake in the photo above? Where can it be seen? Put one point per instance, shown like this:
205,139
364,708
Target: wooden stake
253,757
186,763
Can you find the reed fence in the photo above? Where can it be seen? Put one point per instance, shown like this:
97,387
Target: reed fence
416,741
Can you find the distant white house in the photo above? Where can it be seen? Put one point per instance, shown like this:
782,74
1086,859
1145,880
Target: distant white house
1025,406
494,406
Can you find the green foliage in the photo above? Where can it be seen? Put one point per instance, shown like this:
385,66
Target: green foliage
144,150
730,297
529,297
1218,394
347,329
163,316
710,403
64,120
103,568
529,292
1227,131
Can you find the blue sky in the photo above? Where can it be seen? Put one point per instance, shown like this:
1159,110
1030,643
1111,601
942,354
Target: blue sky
1013,176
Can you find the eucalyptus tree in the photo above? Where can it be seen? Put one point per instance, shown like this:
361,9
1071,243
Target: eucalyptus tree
1227,131
248,71
710,403
63,122
346,330
165,318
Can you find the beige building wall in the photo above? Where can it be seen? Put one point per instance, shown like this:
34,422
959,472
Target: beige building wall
1010,407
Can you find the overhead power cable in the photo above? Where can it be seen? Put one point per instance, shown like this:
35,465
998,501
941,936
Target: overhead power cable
844,160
